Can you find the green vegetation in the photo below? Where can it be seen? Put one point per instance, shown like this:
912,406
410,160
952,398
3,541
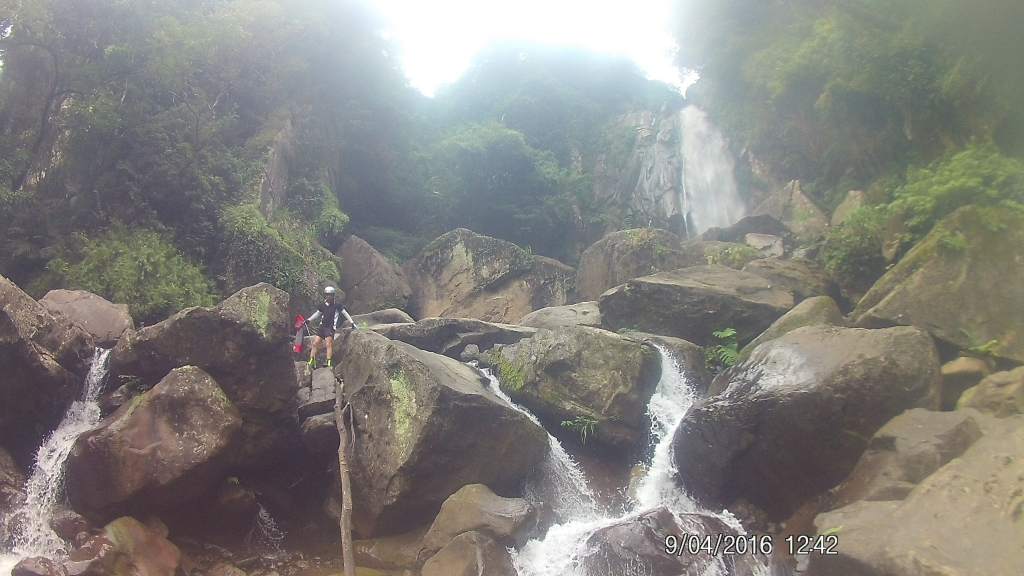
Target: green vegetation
733,255
511,375
853,251
137,267
724,351
584,425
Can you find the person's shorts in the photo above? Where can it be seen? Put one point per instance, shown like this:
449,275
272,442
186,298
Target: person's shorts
325,332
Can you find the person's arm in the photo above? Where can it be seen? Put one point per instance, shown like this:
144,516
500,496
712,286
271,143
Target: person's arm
312,319
349,318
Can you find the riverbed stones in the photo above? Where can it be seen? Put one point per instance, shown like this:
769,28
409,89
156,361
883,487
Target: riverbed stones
791,420
963,519
161,449
474,508
43,359
370,281
691,303
102,319
599,380
963,282
625,255
418,413
1001,394
243,343
465,274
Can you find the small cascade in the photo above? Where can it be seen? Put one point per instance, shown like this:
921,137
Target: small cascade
710,196
265,537
558,554
45,486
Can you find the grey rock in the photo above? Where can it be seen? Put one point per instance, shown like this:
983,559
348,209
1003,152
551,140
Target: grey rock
474,508
105,321
959,375
320,434
450,336
582,314
470,554
369,280
1001,394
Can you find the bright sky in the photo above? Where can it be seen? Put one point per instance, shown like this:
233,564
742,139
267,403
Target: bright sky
438,38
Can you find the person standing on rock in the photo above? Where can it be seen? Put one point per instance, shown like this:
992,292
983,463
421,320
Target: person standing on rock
329,313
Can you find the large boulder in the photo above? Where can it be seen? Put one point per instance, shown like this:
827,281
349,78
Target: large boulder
793,208
428,426
370,281
474,508
584,375
126,546
386,316
163,448
629,254
817,311
691,303
963,283
820,392
963,519
581,314
960,374
801,278
102,319
450,336
905,451
243,343
464,274
1001,394
43,360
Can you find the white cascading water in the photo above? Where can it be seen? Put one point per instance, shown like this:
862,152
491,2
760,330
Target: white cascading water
46,484
558,554
710,196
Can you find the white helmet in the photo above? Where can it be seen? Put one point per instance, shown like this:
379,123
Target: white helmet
329,290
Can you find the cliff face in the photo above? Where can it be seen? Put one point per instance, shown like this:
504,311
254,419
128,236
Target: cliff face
678,176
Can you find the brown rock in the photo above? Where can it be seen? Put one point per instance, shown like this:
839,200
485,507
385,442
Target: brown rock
105,321
125,546
391,552
163,448
370,281
959,375
625,255
1001,394
470,554
474,508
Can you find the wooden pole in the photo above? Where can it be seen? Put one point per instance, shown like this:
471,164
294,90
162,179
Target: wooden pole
346,486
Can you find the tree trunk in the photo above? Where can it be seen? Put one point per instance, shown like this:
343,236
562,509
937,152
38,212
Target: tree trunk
345,520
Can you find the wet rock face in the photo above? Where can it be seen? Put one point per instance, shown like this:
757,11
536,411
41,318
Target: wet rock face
43,360
427,426
966,296
628,254
105,321
369,280
243,343
579,373
163,448
691,303
791,420
464,274
639,546
962,519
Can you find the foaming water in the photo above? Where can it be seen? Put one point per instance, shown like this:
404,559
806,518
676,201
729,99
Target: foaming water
265,537
45,486
565,545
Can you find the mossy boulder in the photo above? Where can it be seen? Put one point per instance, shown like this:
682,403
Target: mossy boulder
691,303
163,448
583,375
465,274
243,343
964,283
44,357
791,420
629,254
817,311
427,426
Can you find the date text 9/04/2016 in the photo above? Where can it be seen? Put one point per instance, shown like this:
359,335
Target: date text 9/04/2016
735,545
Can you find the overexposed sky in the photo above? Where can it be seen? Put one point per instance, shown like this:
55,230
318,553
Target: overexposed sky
438,38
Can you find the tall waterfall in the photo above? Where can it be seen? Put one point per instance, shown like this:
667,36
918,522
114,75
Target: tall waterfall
560,550
46,484
709,195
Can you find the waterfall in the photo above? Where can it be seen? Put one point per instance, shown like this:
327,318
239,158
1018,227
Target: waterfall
710,197
559,552
265,537
45,485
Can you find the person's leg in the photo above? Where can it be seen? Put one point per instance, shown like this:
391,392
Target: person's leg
312,350
327,343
